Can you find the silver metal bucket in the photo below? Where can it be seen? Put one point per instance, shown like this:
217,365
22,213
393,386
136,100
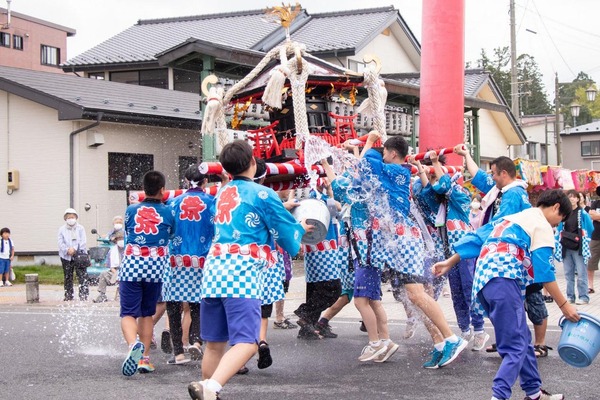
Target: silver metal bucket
316,213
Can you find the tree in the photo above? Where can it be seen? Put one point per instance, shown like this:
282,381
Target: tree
531,89
574,92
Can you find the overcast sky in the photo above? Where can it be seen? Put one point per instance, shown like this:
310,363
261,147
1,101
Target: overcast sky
563,36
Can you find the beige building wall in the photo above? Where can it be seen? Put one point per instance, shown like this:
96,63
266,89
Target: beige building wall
537,134
571,152
33,141
492,141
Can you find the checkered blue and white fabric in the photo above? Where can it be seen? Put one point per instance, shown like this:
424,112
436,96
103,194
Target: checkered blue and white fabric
232,275
346,276
456,229
321,261
272,288
494,264
402,251
182,284
143,269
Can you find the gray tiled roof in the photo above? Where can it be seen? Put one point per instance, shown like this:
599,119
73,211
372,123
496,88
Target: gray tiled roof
342,30
243,29
144,40
84,94
474,80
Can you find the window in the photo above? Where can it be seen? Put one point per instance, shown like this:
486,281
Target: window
50,55
356,66
184,163
590,148
96,75
532,150
17,42
4,39
122,165
543,158
157,78
186,81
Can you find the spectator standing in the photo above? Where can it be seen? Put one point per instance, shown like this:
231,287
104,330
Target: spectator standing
592,265
7,253
71,238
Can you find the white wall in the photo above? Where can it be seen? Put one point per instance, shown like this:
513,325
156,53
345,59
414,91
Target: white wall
33,141
537,133
492,141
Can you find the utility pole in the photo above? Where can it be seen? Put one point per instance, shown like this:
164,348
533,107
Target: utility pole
514,83
557,120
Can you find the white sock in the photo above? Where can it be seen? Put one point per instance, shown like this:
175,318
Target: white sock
535,396
376,343
213,385
439,346
452,339
495,398
386,342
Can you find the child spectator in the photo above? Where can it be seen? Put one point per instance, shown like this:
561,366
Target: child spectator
7,253
514,252
71,238
148,226
248,218
115,255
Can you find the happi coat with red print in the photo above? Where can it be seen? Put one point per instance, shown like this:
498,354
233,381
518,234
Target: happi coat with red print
148,227
517,246
249,217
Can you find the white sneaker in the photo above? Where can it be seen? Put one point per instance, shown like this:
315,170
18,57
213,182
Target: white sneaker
390,349
467,335
198,391
480,340
579,302
7,283
369,352
1,283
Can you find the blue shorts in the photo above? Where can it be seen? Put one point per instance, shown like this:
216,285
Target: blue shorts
368,283
236,320
138,299
4,265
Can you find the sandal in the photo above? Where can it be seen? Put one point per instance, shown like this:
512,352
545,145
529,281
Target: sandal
491,349
591,290
541,350
243,371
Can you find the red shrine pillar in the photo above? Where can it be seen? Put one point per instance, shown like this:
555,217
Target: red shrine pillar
441,111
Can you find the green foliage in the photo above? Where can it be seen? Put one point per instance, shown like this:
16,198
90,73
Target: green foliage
574,92
531,89
47,274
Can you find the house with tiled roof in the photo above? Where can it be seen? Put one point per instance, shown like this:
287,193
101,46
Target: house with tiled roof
82,143
90,131
581,146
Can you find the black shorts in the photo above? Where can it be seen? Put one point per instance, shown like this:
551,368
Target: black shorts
536,307
266,310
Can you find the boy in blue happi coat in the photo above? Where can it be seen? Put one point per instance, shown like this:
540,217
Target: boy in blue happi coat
249,218
515,251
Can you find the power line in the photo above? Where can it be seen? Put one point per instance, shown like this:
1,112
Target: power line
551,39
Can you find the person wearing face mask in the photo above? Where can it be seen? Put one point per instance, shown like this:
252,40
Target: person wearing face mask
117,226
109,277
71,237
475,211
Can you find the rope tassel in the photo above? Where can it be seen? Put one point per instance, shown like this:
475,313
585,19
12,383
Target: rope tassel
273,91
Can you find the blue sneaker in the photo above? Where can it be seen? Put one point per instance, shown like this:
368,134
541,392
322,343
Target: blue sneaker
451,351
436,356
130,365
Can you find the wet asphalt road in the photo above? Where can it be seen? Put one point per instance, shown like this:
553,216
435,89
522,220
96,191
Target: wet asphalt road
75,352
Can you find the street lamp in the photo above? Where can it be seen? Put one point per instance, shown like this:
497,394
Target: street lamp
590,93
575,108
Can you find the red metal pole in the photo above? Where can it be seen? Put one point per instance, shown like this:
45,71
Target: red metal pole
441,110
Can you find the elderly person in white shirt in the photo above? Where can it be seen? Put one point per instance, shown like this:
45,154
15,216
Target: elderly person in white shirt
71,238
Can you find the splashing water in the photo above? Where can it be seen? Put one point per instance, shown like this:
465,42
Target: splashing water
84,330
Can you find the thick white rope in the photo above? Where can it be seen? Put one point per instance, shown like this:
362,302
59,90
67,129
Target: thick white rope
377,99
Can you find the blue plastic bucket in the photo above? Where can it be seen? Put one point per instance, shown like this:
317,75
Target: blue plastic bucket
580,342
